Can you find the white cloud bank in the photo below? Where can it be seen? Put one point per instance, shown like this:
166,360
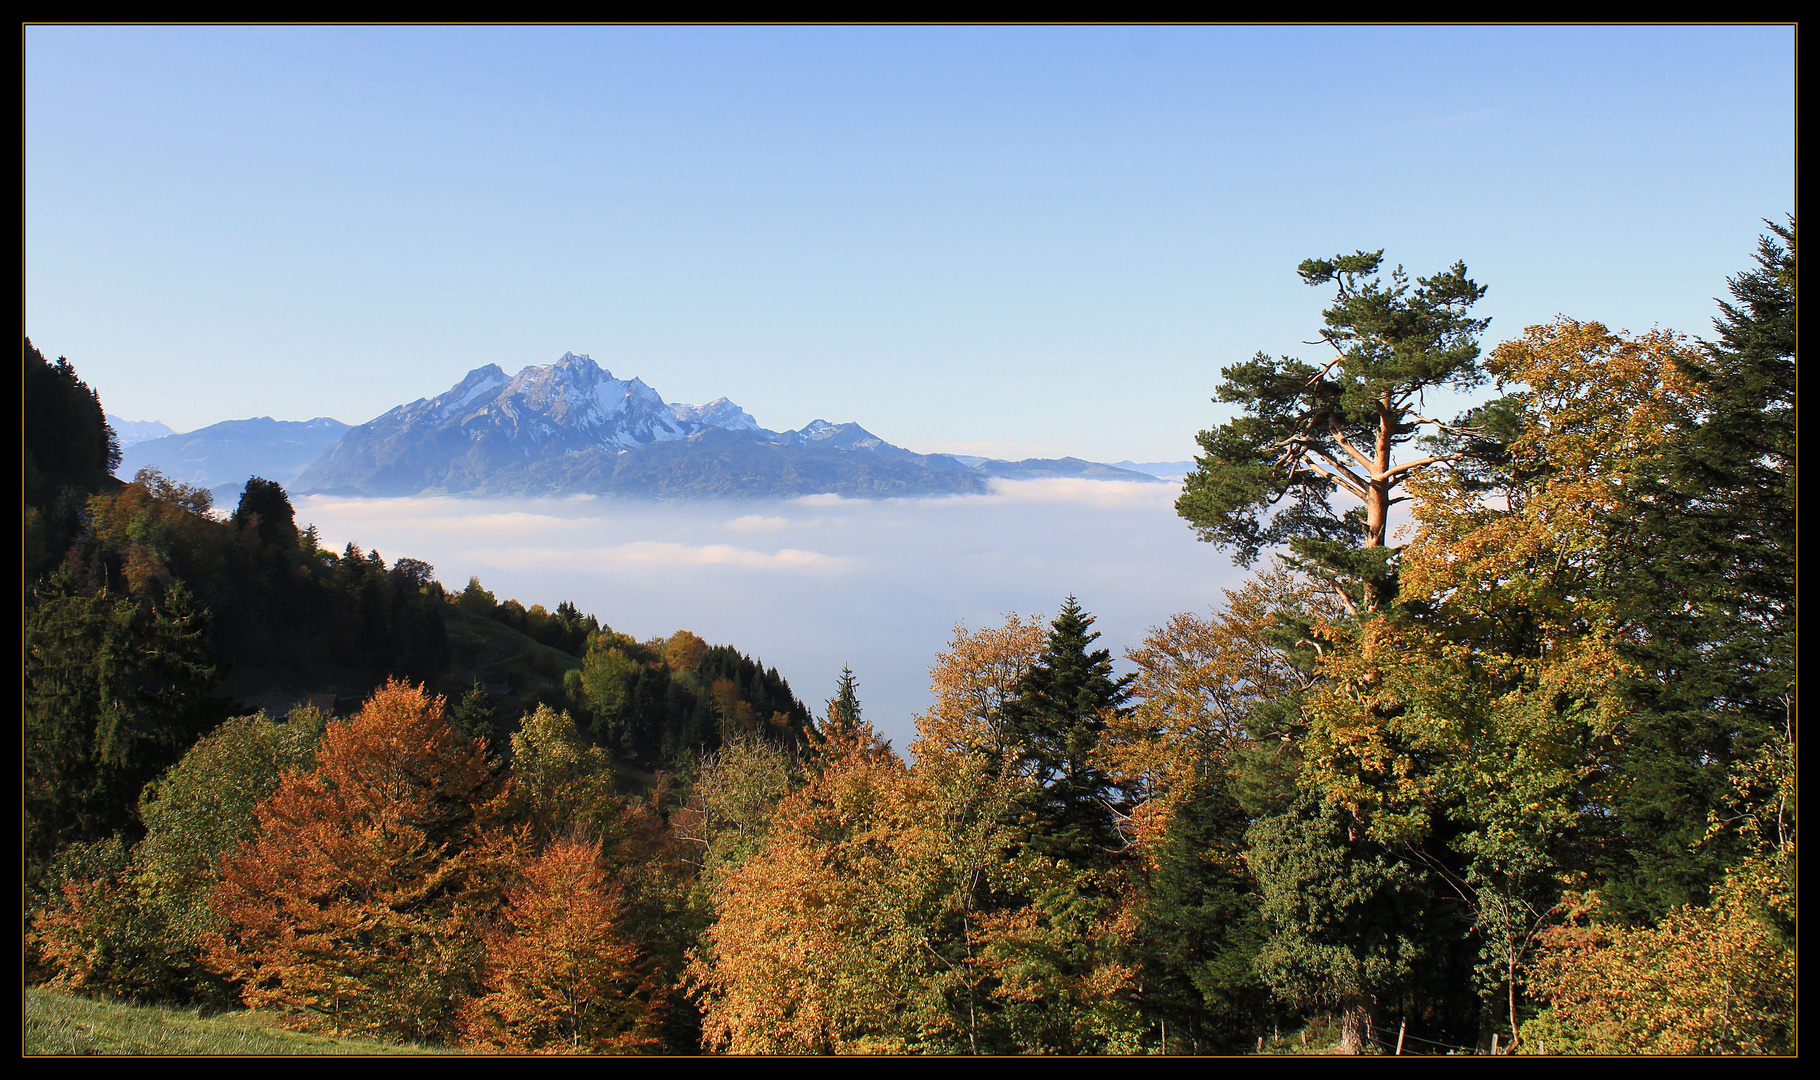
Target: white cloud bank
642,556
809,585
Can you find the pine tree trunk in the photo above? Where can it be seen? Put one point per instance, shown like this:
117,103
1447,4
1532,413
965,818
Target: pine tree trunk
1358,1025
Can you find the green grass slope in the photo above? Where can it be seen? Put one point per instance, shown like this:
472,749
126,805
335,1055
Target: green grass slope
60,1024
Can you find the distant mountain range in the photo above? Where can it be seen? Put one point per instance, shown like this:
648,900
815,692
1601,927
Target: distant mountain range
221,456
137,431
572,428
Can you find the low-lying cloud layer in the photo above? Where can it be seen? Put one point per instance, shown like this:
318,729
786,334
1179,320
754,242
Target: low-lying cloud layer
809,585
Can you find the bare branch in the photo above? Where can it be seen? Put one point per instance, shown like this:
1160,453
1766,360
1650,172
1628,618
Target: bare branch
1455,429
1325,368
1401,469
1295,447
1350,449
1345,480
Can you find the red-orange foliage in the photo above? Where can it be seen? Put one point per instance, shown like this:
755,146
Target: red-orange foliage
356,902
559,974
1198,681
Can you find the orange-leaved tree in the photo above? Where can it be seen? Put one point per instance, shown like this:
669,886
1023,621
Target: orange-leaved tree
355,904
1718,979
1199,683
560,974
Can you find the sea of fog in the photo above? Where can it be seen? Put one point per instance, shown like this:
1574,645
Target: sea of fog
811,584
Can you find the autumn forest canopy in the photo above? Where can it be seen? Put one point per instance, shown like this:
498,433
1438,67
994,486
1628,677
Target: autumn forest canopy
1517,776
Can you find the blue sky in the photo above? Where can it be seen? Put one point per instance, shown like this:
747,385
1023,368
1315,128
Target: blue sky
997,240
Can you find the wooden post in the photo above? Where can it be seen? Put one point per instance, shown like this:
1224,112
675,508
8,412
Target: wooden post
1402,1027
1494,1044
1260,1044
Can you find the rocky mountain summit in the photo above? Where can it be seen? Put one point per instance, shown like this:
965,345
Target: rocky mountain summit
572,427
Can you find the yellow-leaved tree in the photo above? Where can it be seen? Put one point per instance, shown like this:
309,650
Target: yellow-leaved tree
820,940
1491,696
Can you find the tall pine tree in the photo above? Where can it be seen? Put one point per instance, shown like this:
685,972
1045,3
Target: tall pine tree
1309,432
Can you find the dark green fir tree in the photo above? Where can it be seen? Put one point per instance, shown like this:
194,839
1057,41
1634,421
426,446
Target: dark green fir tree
1056,718
115,692
70,454
843,707
1202,930
1712,583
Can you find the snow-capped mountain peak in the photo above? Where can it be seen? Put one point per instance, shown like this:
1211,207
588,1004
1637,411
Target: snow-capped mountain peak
572,426
476,385
719,413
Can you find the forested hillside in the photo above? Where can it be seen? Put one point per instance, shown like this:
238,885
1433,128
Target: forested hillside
1519,778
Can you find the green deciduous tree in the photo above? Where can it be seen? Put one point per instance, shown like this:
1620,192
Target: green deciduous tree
128,923
201,808
266,510
562,785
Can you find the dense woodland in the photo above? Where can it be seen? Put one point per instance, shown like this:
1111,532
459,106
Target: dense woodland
1521,775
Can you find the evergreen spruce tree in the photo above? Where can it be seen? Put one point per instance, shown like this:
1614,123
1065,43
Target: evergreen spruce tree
473,717
70,453
1713,585
67,438
115,692
1351,923
845,704
843,727
1056,718
1201,930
